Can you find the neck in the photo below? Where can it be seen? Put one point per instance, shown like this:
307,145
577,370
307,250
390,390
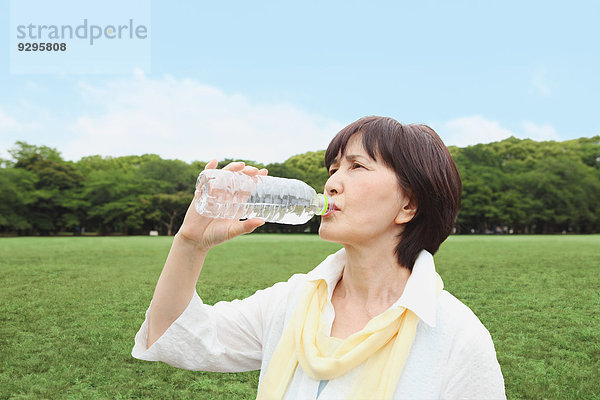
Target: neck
372,276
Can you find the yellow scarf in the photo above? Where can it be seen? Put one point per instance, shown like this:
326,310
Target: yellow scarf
383,345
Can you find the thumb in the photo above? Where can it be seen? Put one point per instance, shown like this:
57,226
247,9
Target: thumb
242,227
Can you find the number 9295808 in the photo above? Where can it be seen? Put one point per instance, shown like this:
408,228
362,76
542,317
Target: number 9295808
42,46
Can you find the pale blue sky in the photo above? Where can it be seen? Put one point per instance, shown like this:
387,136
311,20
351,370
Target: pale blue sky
266,80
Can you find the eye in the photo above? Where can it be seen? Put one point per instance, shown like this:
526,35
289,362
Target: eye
357,165
331,171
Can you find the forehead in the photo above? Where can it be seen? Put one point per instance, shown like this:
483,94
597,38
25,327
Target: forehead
354,147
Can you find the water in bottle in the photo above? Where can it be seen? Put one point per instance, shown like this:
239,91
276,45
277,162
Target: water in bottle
235,195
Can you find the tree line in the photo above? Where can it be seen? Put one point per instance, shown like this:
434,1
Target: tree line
511,186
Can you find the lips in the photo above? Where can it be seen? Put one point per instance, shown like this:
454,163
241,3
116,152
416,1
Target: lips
335,208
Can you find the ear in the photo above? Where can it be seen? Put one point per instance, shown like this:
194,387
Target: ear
407,211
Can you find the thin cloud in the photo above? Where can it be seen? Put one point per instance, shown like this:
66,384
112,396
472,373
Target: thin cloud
467,131
185,119
182,118
8,123
9,128
539,132
471,130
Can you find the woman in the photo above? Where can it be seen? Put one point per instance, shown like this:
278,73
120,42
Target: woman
370,321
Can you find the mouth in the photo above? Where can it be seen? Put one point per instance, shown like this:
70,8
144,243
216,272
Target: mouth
327,214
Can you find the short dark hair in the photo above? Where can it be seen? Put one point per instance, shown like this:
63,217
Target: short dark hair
426,173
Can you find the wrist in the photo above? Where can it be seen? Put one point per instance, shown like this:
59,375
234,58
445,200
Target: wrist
188,244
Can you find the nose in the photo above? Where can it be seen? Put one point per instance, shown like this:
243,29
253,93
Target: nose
333,185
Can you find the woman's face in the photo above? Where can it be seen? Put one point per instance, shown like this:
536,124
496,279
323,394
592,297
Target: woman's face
371,204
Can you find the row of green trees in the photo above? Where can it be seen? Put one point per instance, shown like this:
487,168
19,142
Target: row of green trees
530,187
519,186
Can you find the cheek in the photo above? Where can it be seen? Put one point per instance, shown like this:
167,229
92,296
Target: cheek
379,202
380,191
368,190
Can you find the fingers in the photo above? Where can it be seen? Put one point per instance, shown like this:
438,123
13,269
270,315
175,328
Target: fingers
212,164
253,223
253,171
250,170
235,166
242,227
238,166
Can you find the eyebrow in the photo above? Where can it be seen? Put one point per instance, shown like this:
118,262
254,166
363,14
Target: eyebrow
348,157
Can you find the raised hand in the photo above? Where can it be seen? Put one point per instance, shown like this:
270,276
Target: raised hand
206,232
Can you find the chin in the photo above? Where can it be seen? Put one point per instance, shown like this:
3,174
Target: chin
346,236
330,234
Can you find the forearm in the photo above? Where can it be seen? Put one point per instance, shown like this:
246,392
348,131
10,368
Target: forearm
175,287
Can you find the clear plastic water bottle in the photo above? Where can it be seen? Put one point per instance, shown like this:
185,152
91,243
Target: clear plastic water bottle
235,195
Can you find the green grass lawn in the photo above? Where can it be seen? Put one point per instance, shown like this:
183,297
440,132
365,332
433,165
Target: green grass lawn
70,308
